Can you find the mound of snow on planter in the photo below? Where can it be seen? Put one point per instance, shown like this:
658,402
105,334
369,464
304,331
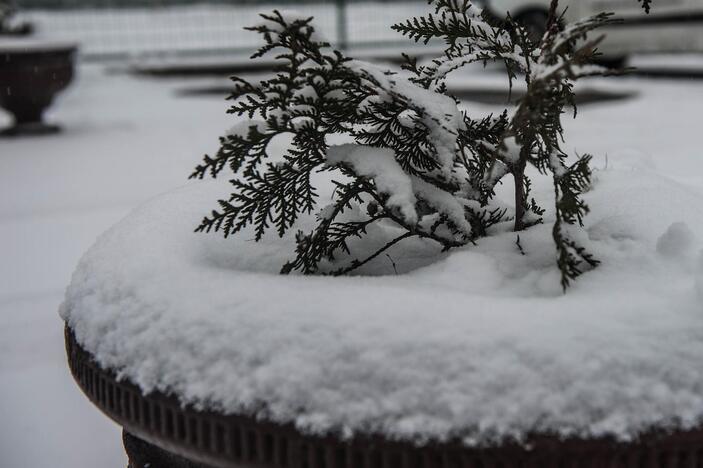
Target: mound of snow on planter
479,343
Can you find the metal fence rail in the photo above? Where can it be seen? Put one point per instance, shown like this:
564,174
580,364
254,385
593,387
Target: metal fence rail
178,27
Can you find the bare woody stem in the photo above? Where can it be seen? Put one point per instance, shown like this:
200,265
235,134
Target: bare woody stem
520,208
359,263
553,16
518,169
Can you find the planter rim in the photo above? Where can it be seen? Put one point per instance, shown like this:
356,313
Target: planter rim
33,45
236,440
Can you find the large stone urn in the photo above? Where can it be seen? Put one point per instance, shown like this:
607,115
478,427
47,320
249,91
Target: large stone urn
32,73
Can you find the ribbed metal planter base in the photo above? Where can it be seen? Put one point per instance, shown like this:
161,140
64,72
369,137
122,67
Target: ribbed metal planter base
142,454
159,428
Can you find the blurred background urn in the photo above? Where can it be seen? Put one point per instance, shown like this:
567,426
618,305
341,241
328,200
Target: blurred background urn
32,73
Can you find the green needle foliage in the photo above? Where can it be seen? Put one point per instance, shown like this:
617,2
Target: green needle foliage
415,160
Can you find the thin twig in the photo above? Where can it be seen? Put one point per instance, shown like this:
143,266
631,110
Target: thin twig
519,246
392,263
356,264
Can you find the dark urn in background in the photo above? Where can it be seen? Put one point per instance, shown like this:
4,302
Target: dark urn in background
32,73
9,27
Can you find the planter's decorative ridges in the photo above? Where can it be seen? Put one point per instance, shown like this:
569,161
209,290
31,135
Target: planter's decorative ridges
236,441
142,454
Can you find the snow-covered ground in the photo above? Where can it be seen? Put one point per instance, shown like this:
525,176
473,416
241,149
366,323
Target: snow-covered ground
125,140
128,139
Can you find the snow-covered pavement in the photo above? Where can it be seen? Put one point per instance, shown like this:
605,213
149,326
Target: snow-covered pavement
125,140
128,139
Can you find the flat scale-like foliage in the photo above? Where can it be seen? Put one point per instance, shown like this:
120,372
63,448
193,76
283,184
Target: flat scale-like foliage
416,160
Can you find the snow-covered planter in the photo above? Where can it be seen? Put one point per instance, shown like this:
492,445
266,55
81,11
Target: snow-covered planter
453,343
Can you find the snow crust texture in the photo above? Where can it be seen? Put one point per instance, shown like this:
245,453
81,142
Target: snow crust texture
479,345
677,241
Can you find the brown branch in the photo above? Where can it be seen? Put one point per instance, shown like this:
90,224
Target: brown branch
446,244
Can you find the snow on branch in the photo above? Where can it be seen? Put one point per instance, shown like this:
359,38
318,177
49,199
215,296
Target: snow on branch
379,165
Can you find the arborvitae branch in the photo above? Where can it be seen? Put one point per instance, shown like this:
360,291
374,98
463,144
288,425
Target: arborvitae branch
445,165
235,150
330,236
646,4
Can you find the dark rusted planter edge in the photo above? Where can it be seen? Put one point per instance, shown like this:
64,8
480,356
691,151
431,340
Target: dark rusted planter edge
229,441
40,49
